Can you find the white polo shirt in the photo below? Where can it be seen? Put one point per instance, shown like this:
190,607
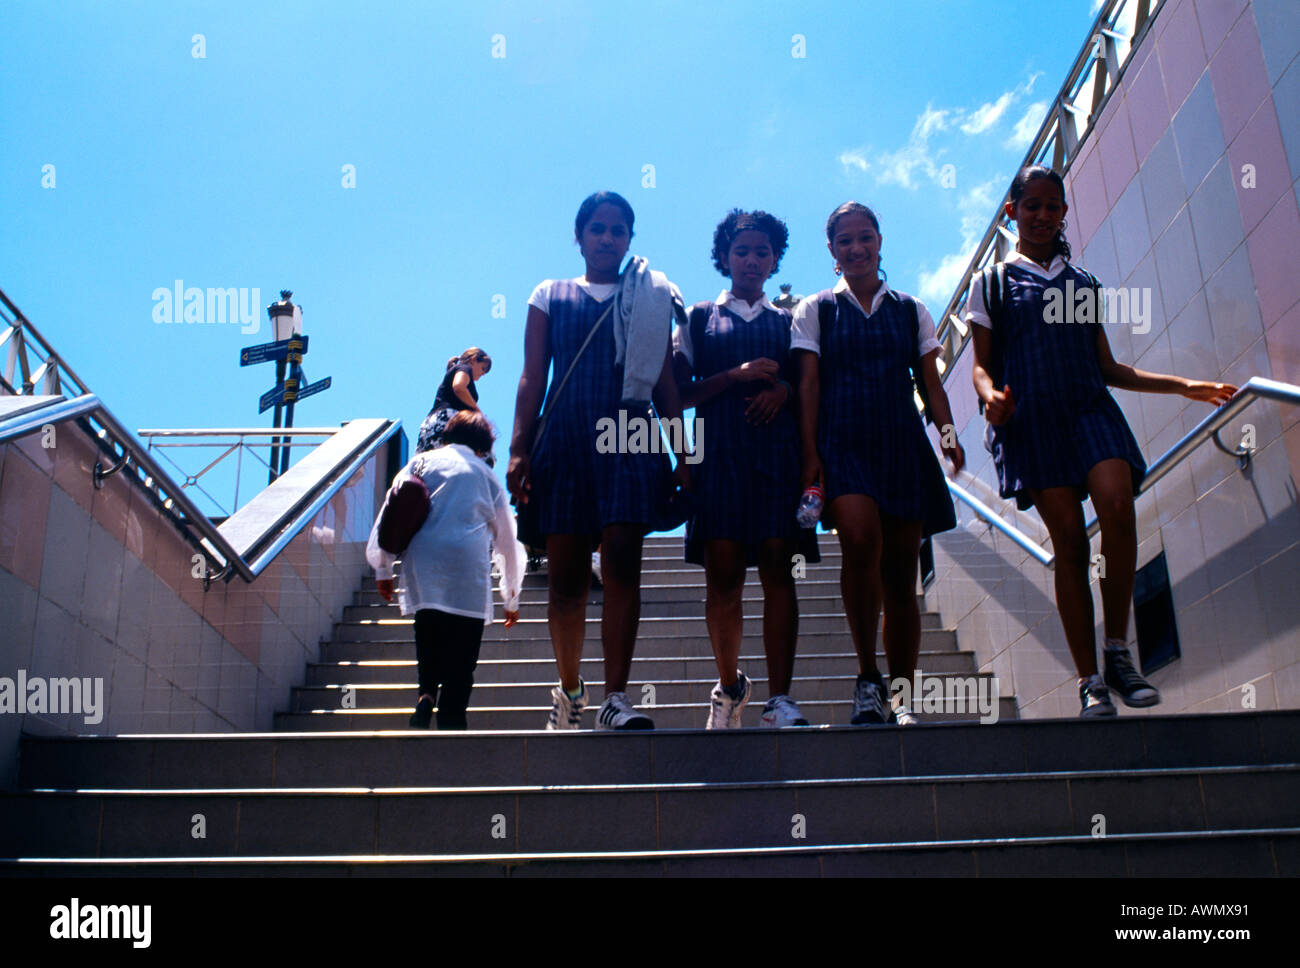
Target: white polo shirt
682,342
977,312
807,329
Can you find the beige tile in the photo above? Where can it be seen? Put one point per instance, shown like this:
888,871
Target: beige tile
24,510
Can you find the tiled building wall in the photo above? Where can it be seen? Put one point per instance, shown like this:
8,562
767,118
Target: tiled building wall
1162,201
99,583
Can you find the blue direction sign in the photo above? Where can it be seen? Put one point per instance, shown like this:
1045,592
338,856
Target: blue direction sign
285,392
312,388
291,349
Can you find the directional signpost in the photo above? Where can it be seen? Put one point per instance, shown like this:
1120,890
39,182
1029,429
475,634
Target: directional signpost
288,389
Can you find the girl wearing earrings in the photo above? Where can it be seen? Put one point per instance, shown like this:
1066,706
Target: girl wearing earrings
1056,434
864,350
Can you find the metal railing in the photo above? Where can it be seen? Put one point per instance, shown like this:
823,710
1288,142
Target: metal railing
233,440
51,376
29,361
1118,31
1256,388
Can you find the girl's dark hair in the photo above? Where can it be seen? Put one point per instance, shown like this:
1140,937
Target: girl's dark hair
471,355
1032,173
593,202
850,208
471,428
738,221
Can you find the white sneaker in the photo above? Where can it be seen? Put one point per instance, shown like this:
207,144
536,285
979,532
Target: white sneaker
901,715
566,713
595,567
782,711
724,712
617,712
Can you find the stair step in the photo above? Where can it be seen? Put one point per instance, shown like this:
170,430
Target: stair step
656,817
394,671
399,629
1243,853
412,758
537,693
536,609
691,594
666,716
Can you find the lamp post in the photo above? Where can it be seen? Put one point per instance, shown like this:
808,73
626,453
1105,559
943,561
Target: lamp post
286,320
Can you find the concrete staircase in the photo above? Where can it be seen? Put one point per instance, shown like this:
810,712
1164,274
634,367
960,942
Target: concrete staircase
331,793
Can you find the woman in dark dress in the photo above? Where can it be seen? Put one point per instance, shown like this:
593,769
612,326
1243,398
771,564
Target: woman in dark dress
732,363
863,345
457,392
1057,435
588,495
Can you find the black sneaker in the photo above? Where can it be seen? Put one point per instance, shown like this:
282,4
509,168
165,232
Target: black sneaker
1125,681
423,715
869,703
1094,697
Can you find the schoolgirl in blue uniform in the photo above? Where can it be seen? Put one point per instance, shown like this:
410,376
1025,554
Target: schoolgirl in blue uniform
1056,434
732,363
864,349
585,497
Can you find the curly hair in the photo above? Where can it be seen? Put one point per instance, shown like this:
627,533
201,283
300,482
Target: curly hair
738,221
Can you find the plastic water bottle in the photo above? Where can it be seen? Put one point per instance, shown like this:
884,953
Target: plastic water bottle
810,506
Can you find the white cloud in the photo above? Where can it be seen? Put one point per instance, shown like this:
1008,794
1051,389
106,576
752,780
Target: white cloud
900,167
977,207
987,115
1023,133
854,159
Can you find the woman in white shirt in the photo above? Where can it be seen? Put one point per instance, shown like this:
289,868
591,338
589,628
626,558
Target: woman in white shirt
446,569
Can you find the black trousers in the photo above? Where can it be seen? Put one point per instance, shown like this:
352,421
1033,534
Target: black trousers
446,647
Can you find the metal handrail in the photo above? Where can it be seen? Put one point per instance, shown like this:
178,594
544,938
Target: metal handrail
53,369
166,439
1257,387
155,479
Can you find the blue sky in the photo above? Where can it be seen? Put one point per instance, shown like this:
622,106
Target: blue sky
227,170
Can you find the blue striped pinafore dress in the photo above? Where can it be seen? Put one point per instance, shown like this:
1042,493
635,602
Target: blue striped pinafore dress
1065,420
871,437
580,490
747,481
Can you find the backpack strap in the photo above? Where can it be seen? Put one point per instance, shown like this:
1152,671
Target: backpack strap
994,290
914,335
697,321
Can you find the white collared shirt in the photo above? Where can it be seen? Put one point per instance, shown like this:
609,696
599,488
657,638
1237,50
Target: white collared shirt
977,312
682,342
599,291
807,329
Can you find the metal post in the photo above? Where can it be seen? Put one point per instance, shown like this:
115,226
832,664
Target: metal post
275,441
